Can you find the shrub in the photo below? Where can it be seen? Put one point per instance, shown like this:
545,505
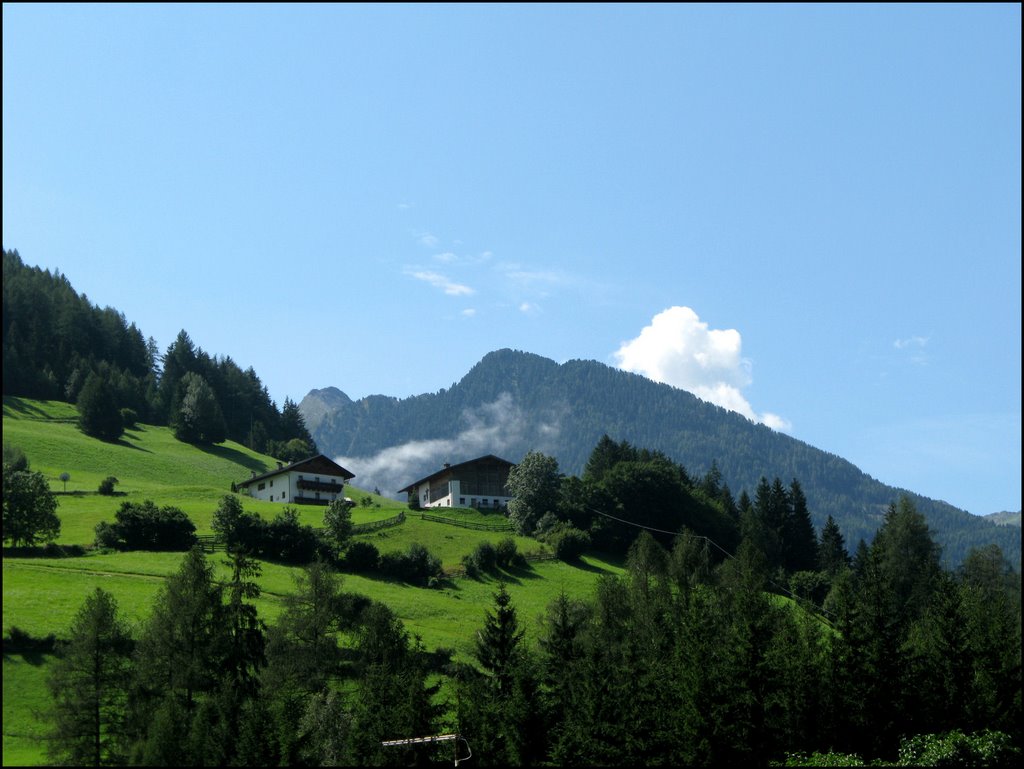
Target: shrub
289,541
547,522
482,559
107,486
417,566
362,557
506,554
14,458
238,529
129,418
568,542
107,536
144,526
985,748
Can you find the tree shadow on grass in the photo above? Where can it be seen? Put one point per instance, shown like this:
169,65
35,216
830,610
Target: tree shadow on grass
127,445
232,455
33,650
579,563
14,405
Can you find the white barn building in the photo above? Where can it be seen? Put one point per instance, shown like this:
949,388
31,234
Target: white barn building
314,481
477,483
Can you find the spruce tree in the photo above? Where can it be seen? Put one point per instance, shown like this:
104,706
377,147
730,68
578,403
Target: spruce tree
179,656
832,555
89,684
799,542
99,414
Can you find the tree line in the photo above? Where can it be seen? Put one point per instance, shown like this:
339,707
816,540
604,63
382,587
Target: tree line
681,661
785,648
57,345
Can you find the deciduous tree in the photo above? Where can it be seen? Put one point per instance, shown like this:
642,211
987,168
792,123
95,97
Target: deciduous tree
30,509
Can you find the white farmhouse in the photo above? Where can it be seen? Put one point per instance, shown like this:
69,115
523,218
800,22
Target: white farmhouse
477,483
314,481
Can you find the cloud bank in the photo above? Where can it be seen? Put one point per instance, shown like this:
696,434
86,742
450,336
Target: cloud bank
679,350
493,428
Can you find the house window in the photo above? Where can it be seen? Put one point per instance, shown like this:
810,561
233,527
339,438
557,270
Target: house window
271,484
261,487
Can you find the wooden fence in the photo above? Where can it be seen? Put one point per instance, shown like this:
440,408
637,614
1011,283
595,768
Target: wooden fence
210,543
362,528
469,524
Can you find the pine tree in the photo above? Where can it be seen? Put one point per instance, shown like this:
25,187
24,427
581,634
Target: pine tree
89,684
498,644
179,656
198,418
832,555
799,543
99,414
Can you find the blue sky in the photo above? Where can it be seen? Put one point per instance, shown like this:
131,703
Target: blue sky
810,214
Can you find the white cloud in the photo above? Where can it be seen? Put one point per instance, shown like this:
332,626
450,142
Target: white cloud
428,240
493,428
914,347
679,350
469,312
447,257
528,308
911,342
450,287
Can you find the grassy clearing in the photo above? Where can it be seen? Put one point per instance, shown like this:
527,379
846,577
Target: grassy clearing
24,730
41,595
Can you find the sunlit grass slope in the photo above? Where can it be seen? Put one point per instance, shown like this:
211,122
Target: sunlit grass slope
41,595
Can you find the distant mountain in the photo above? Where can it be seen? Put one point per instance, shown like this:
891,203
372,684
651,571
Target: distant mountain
1004,518
512,402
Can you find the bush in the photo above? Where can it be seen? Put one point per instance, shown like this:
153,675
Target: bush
569,543
288,540
362,557
483,558
506,554
417,566
985,748
129,418
107,486
547,522
238,529
143,526
14,458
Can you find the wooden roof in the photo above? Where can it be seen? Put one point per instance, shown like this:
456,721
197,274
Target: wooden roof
454,468
316,465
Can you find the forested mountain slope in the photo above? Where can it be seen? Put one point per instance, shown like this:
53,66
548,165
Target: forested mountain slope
512,402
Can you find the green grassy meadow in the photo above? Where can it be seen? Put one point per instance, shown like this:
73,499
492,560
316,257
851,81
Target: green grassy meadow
41,595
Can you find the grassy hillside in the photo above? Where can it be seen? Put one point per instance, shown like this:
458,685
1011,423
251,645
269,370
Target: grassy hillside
41,595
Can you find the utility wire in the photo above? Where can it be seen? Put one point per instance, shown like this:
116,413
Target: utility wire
822,610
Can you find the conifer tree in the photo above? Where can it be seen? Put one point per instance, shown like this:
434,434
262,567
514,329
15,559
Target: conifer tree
799,543
99,414
832,555
89,684
179,657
